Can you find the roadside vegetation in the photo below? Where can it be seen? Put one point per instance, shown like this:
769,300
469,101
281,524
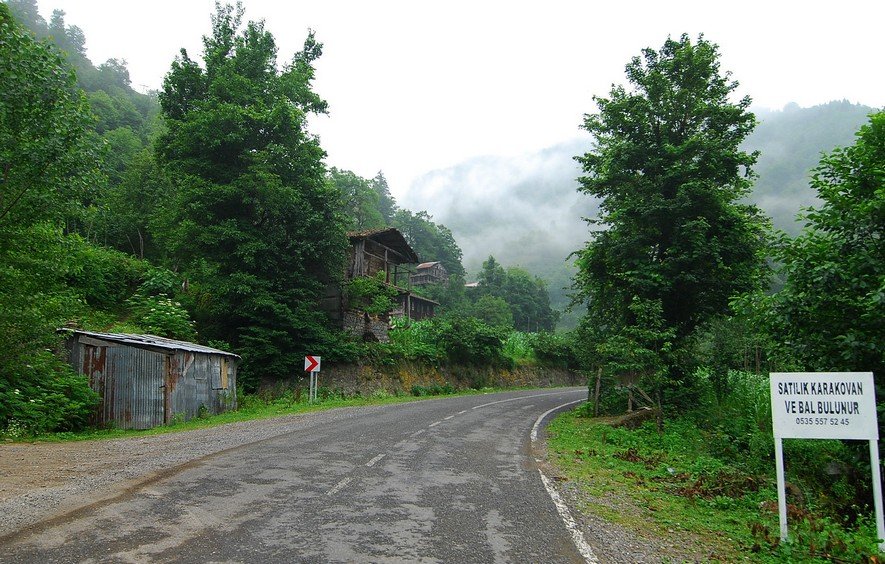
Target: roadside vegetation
709,479
691,301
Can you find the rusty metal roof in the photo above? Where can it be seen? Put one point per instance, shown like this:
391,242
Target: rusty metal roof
389,237
424,265
149,342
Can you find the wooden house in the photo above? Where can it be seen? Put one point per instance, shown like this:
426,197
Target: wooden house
429,273
372,252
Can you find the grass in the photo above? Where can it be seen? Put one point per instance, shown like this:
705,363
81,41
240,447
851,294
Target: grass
670,487
252,407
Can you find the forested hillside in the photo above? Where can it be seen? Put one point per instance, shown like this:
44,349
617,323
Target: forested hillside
541,224
201,212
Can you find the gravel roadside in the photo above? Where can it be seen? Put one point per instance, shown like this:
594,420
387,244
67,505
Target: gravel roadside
42,480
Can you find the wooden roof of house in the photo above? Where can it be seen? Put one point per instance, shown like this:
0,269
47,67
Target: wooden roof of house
390,238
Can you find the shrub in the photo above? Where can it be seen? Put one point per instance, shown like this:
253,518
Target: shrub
554,349
44,395
160,315
468,340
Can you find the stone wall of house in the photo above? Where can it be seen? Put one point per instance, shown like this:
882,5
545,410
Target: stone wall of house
360,324
399,378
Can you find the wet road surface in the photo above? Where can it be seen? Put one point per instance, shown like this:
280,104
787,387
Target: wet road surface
449,480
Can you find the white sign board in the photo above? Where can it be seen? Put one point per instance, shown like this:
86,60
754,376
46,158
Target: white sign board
312,363
824,405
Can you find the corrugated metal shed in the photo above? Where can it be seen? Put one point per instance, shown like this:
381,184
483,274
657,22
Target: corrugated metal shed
145,380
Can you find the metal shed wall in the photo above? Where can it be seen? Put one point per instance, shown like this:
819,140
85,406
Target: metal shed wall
145,387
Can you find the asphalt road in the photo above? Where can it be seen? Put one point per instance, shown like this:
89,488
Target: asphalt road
449,480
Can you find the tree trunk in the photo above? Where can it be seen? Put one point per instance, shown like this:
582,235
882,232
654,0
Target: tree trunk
596,394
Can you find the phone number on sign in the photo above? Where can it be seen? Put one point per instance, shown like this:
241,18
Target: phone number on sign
821,421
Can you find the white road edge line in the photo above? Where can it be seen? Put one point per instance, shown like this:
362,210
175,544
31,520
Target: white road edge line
537,424
435,424
570,523
447,418
416,433
527,397
339,486
374,460
564,513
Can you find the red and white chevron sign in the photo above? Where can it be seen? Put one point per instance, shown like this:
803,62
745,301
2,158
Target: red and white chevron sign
311,363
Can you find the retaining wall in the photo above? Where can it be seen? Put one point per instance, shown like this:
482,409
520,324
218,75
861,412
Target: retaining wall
366,379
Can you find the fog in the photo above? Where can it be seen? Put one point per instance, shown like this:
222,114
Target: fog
525,210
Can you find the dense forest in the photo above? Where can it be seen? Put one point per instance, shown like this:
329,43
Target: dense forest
130,212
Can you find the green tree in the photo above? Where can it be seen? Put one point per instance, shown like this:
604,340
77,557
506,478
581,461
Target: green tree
432,241
254,223
524,294
491,310
47,161
831,312
386,203
669,171
491,277
359,200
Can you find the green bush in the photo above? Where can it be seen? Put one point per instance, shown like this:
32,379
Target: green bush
44,395
160,315
104,277
554,349
518,347
370,294
466,340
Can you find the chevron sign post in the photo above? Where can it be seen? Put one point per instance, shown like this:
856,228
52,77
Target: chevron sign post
312,365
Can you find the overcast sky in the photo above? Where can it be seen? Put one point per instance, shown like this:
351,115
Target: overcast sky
417,86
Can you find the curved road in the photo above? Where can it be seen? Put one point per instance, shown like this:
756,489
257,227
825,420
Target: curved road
449,480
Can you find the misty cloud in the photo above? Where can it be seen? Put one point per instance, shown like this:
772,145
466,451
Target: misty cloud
523,210
526,210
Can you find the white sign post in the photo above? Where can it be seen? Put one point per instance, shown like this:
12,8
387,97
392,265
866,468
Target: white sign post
312,365
825,405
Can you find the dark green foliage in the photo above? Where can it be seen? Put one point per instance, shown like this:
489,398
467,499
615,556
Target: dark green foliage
103,277
46,164
43,395
136,208
431,241
386,203
253,222
669,170
491,310
450,295
370,294
525,295
831,311
47,158
467,340
554,349
360,200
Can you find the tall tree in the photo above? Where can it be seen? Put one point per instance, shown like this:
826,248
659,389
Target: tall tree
254,222
831,312
47,161
525,295
386,203
359,200
432,241
668,168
